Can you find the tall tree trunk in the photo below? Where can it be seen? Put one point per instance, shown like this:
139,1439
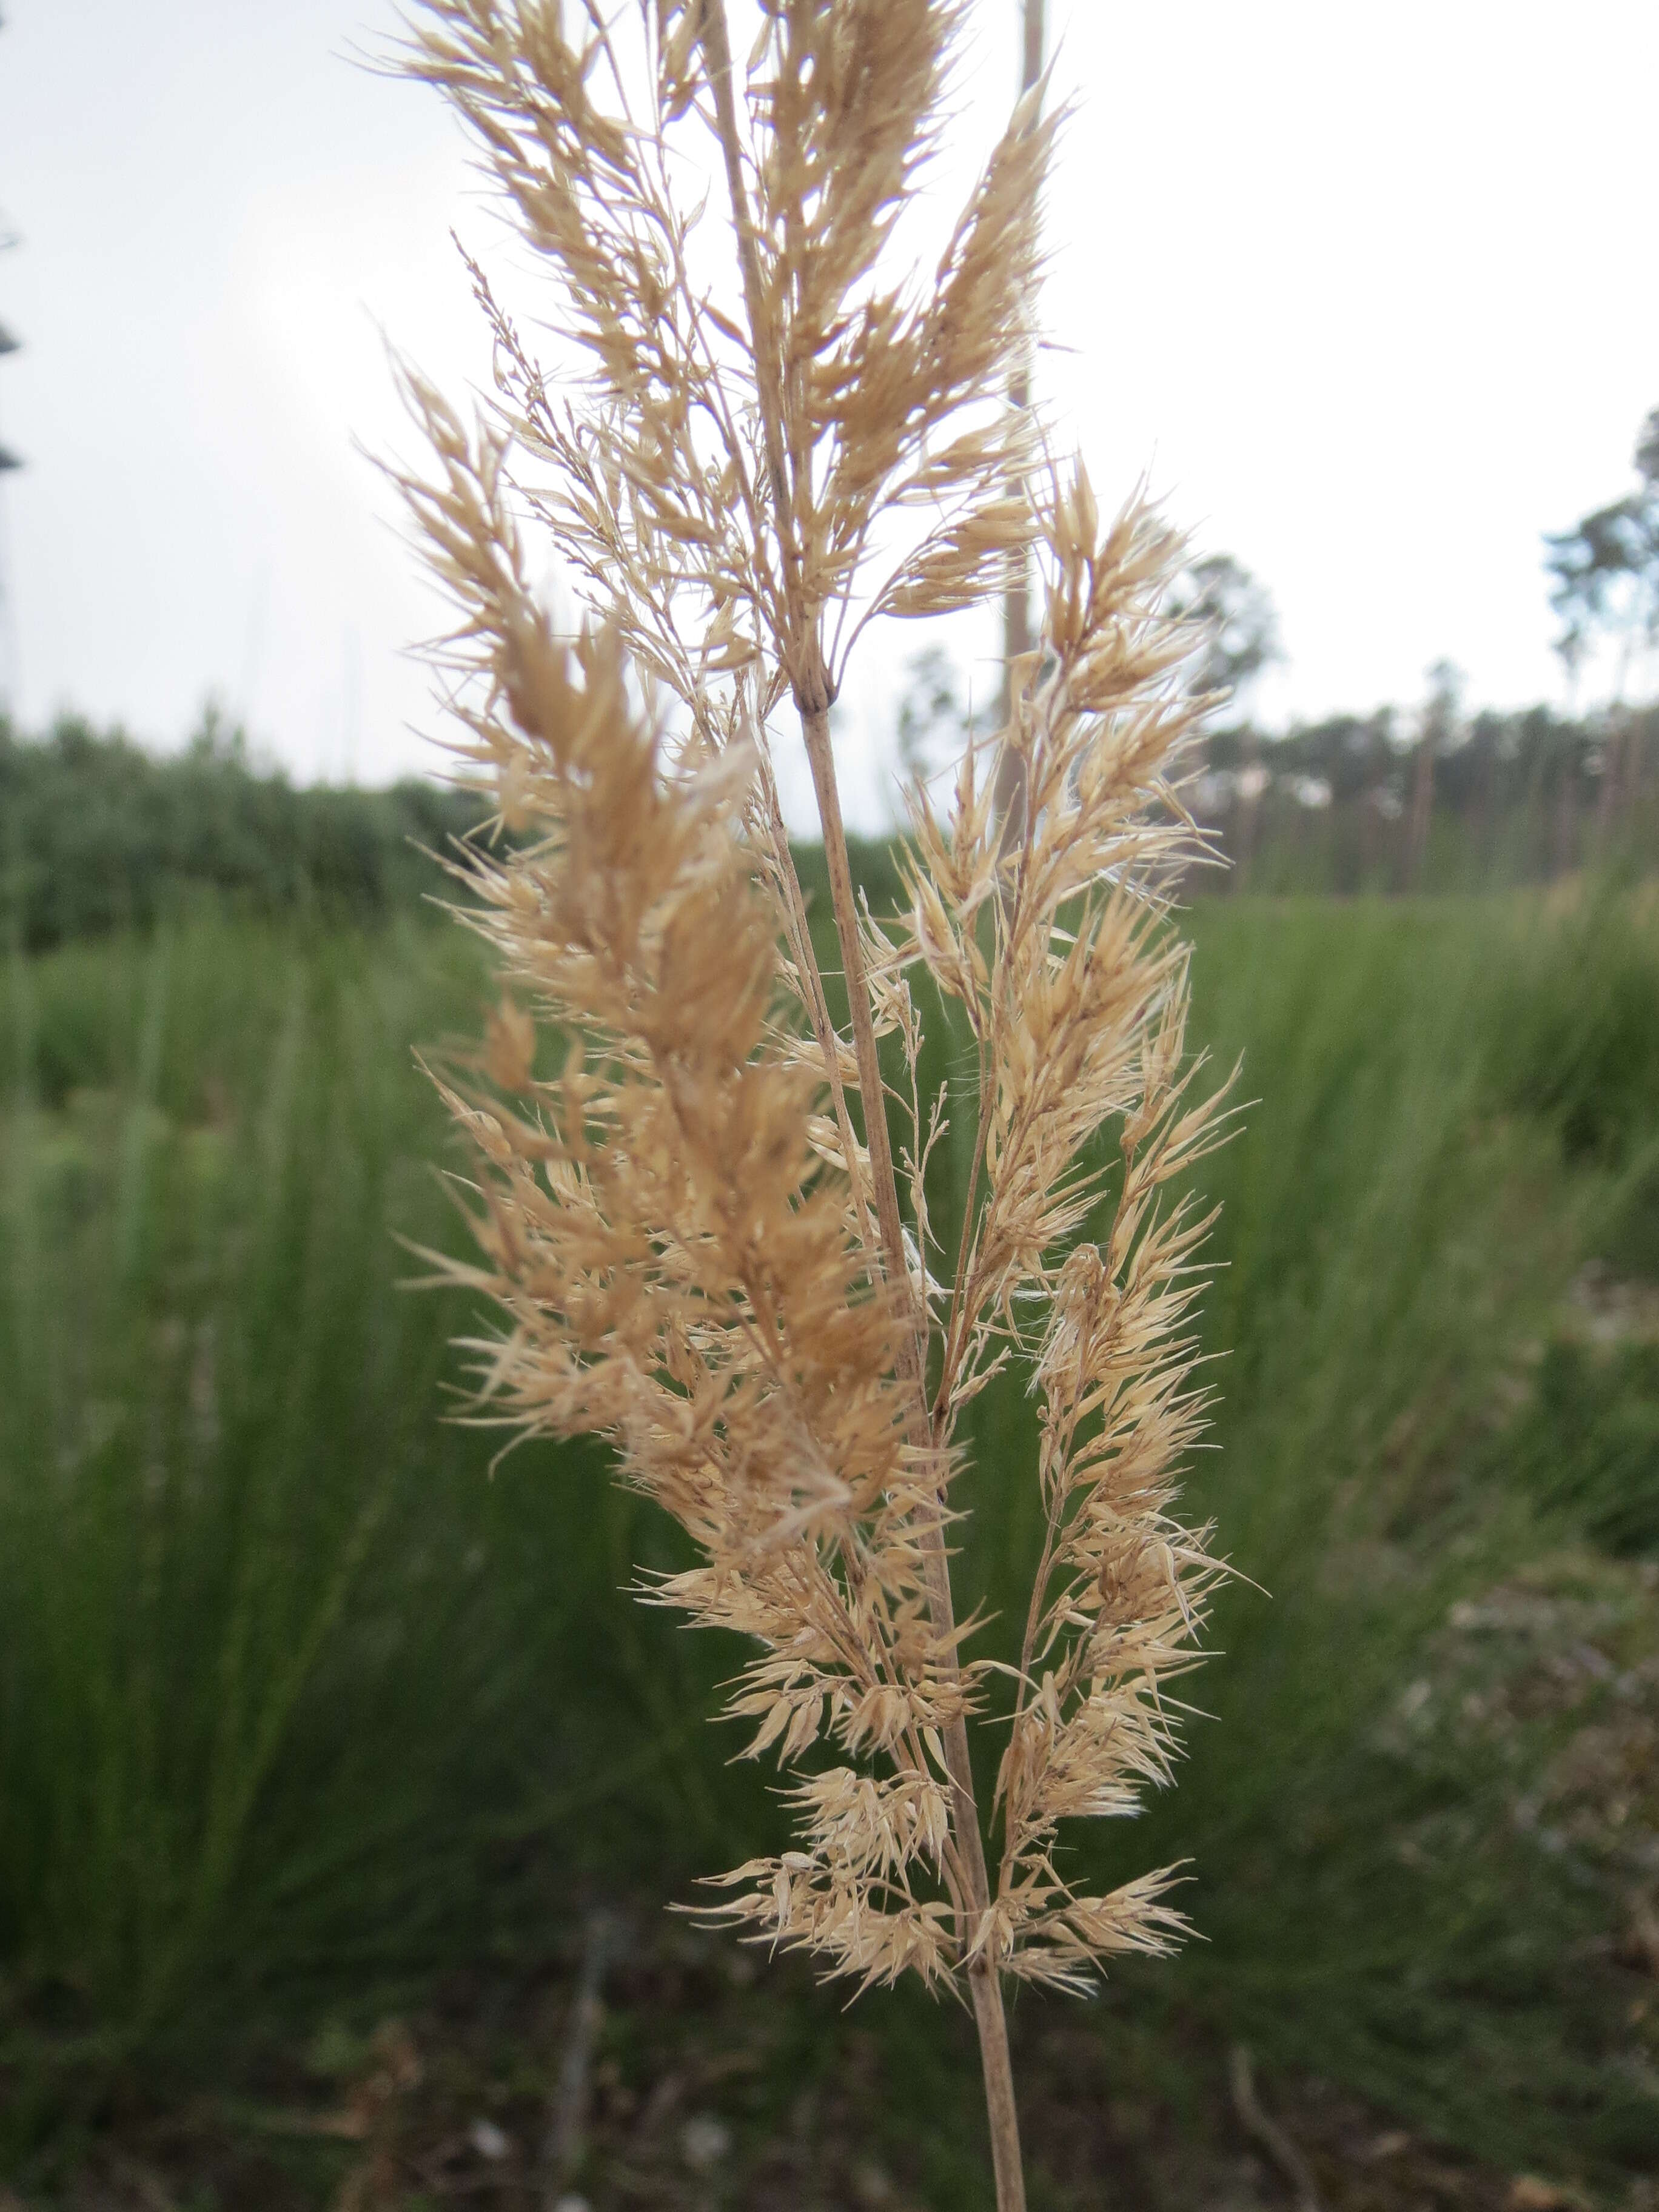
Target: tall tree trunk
1610,794
1567,816
1422,811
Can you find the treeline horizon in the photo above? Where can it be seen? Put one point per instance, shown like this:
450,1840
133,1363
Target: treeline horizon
98,834
1388,803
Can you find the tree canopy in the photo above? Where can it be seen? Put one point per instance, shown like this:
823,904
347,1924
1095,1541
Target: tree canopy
1605,570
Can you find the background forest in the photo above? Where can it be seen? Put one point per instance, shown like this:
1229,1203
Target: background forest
334,1767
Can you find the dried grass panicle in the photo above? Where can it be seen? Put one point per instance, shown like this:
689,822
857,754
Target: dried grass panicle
688,1210
667,1222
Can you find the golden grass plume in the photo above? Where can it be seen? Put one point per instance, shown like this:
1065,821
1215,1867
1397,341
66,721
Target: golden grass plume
700,1238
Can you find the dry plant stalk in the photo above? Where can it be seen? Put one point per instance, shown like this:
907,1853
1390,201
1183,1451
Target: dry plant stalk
696,1230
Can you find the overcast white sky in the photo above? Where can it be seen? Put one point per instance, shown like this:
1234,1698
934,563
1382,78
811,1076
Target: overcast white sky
1369,292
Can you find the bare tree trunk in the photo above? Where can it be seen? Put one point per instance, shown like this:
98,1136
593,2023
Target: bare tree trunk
1613,755
1567,817
1611,792
1017,594
1422,810
1247,808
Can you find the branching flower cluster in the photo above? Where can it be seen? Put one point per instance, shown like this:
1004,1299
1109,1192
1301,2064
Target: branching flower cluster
696,1228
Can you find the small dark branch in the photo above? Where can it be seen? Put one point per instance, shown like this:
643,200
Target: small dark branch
562,2152
1267,2133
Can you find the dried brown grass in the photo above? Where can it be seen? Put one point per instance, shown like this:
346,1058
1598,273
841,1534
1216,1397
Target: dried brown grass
694,1228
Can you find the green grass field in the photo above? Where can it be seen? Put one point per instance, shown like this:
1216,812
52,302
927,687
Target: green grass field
306,1707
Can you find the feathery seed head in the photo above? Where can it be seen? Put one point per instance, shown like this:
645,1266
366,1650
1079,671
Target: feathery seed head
688,1213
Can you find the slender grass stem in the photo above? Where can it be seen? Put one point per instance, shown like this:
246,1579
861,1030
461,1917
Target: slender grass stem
989,2017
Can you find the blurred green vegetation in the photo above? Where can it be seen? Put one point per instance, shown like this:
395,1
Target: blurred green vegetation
1590,1443
287,1669
96,835
303,1700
